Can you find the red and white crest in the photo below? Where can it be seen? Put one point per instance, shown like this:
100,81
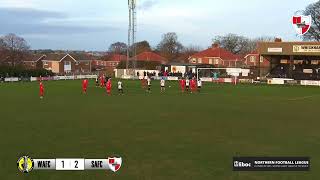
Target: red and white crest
302,24
114,163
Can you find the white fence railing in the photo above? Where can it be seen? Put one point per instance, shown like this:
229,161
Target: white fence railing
52,78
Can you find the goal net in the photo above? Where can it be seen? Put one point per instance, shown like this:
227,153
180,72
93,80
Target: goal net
223,75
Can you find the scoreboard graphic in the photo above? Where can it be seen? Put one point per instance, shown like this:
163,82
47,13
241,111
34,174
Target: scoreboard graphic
26,164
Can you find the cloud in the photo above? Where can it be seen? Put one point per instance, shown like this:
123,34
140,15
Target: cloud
148,4
32,21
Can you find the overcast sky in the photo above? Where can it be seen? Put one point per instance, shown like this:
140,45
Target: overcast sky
95,24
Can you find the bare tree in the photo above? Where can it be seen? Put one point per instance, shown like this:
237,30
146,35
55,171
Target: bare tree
17,49
253,43
239,44
142,46
118,48
234,43
187,52
314,33
170,47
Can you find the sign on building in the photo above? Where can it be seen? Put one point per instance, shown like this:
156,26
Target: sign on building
306,48
275,50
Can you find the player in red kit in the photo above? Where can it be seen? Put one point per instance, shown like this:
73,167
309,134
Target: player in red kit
102,83
182,85
84,86
41,92
193,85
108,87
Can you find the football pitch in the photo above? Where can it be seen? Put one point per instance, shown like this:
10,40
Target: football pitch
159,136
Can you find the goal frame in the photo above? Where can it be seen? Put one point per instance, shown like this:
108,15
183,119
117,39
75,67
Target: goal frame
236,77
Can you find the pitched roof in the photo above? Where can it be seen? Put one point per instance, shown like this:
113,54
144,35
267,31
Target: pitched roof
74,56
251,53
217,52
54,56
150,56
113,57
117,57
82,56
34,57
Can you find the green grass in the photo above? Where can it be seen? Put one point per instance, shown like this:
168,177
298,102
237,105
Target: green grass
160,136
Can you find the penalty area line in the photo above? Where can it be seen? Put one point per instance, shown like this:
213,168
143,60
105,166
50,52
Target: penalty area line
301,98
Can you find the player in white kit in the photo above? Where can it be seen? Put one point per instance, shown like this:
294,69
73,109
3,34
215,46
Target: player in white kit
187,84
149,84
120,87
163,85
199,82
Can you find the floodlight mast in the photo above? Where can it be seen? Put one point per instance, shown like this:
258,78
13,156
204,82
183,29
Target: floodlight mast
131,49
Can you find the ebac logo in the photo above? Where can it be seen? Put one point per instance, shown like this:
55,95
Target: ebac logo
301,23
239,164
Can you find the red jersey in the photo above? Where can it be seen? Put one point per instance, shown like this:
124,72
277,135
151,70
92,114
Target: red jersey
109,85
193,83
41,88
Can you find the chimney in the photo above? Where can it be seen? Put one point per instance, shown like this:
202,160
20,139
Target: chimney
277,40
215,45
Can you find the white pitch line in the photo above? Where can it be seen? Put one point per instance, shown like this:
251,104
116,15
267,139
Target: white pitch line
301,98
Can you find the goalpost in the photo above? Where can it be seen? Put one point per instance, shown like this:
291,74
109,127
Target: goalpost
217,74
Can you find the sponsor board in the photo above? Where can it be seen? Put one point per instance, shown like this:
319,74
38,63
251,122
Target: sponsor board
172,78
248,81
206,79
63,78
228,80
308,71
278,81
310,83
11,79
291,82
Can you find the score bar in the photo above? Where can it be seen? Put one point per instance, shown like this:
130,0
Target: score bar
27,164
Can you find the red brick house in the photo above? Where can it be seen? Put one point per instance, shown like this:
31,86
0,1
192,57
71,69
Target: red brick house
149,56
217,56
109,62
34,61
252,60
67,63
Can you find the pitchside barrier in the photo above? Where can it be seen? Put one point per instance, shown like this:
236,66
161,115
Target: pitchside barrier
52,78
11,79
283,81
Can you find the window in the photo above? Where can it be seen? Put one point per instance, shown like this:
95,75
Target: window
252,59
194,60
261,59
77,63
67,63
199,60
210,61
45,63
216,61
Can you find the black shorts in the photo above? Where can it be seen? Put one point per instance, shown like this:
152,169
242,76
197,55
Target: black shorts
187,87
199,87
163,86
